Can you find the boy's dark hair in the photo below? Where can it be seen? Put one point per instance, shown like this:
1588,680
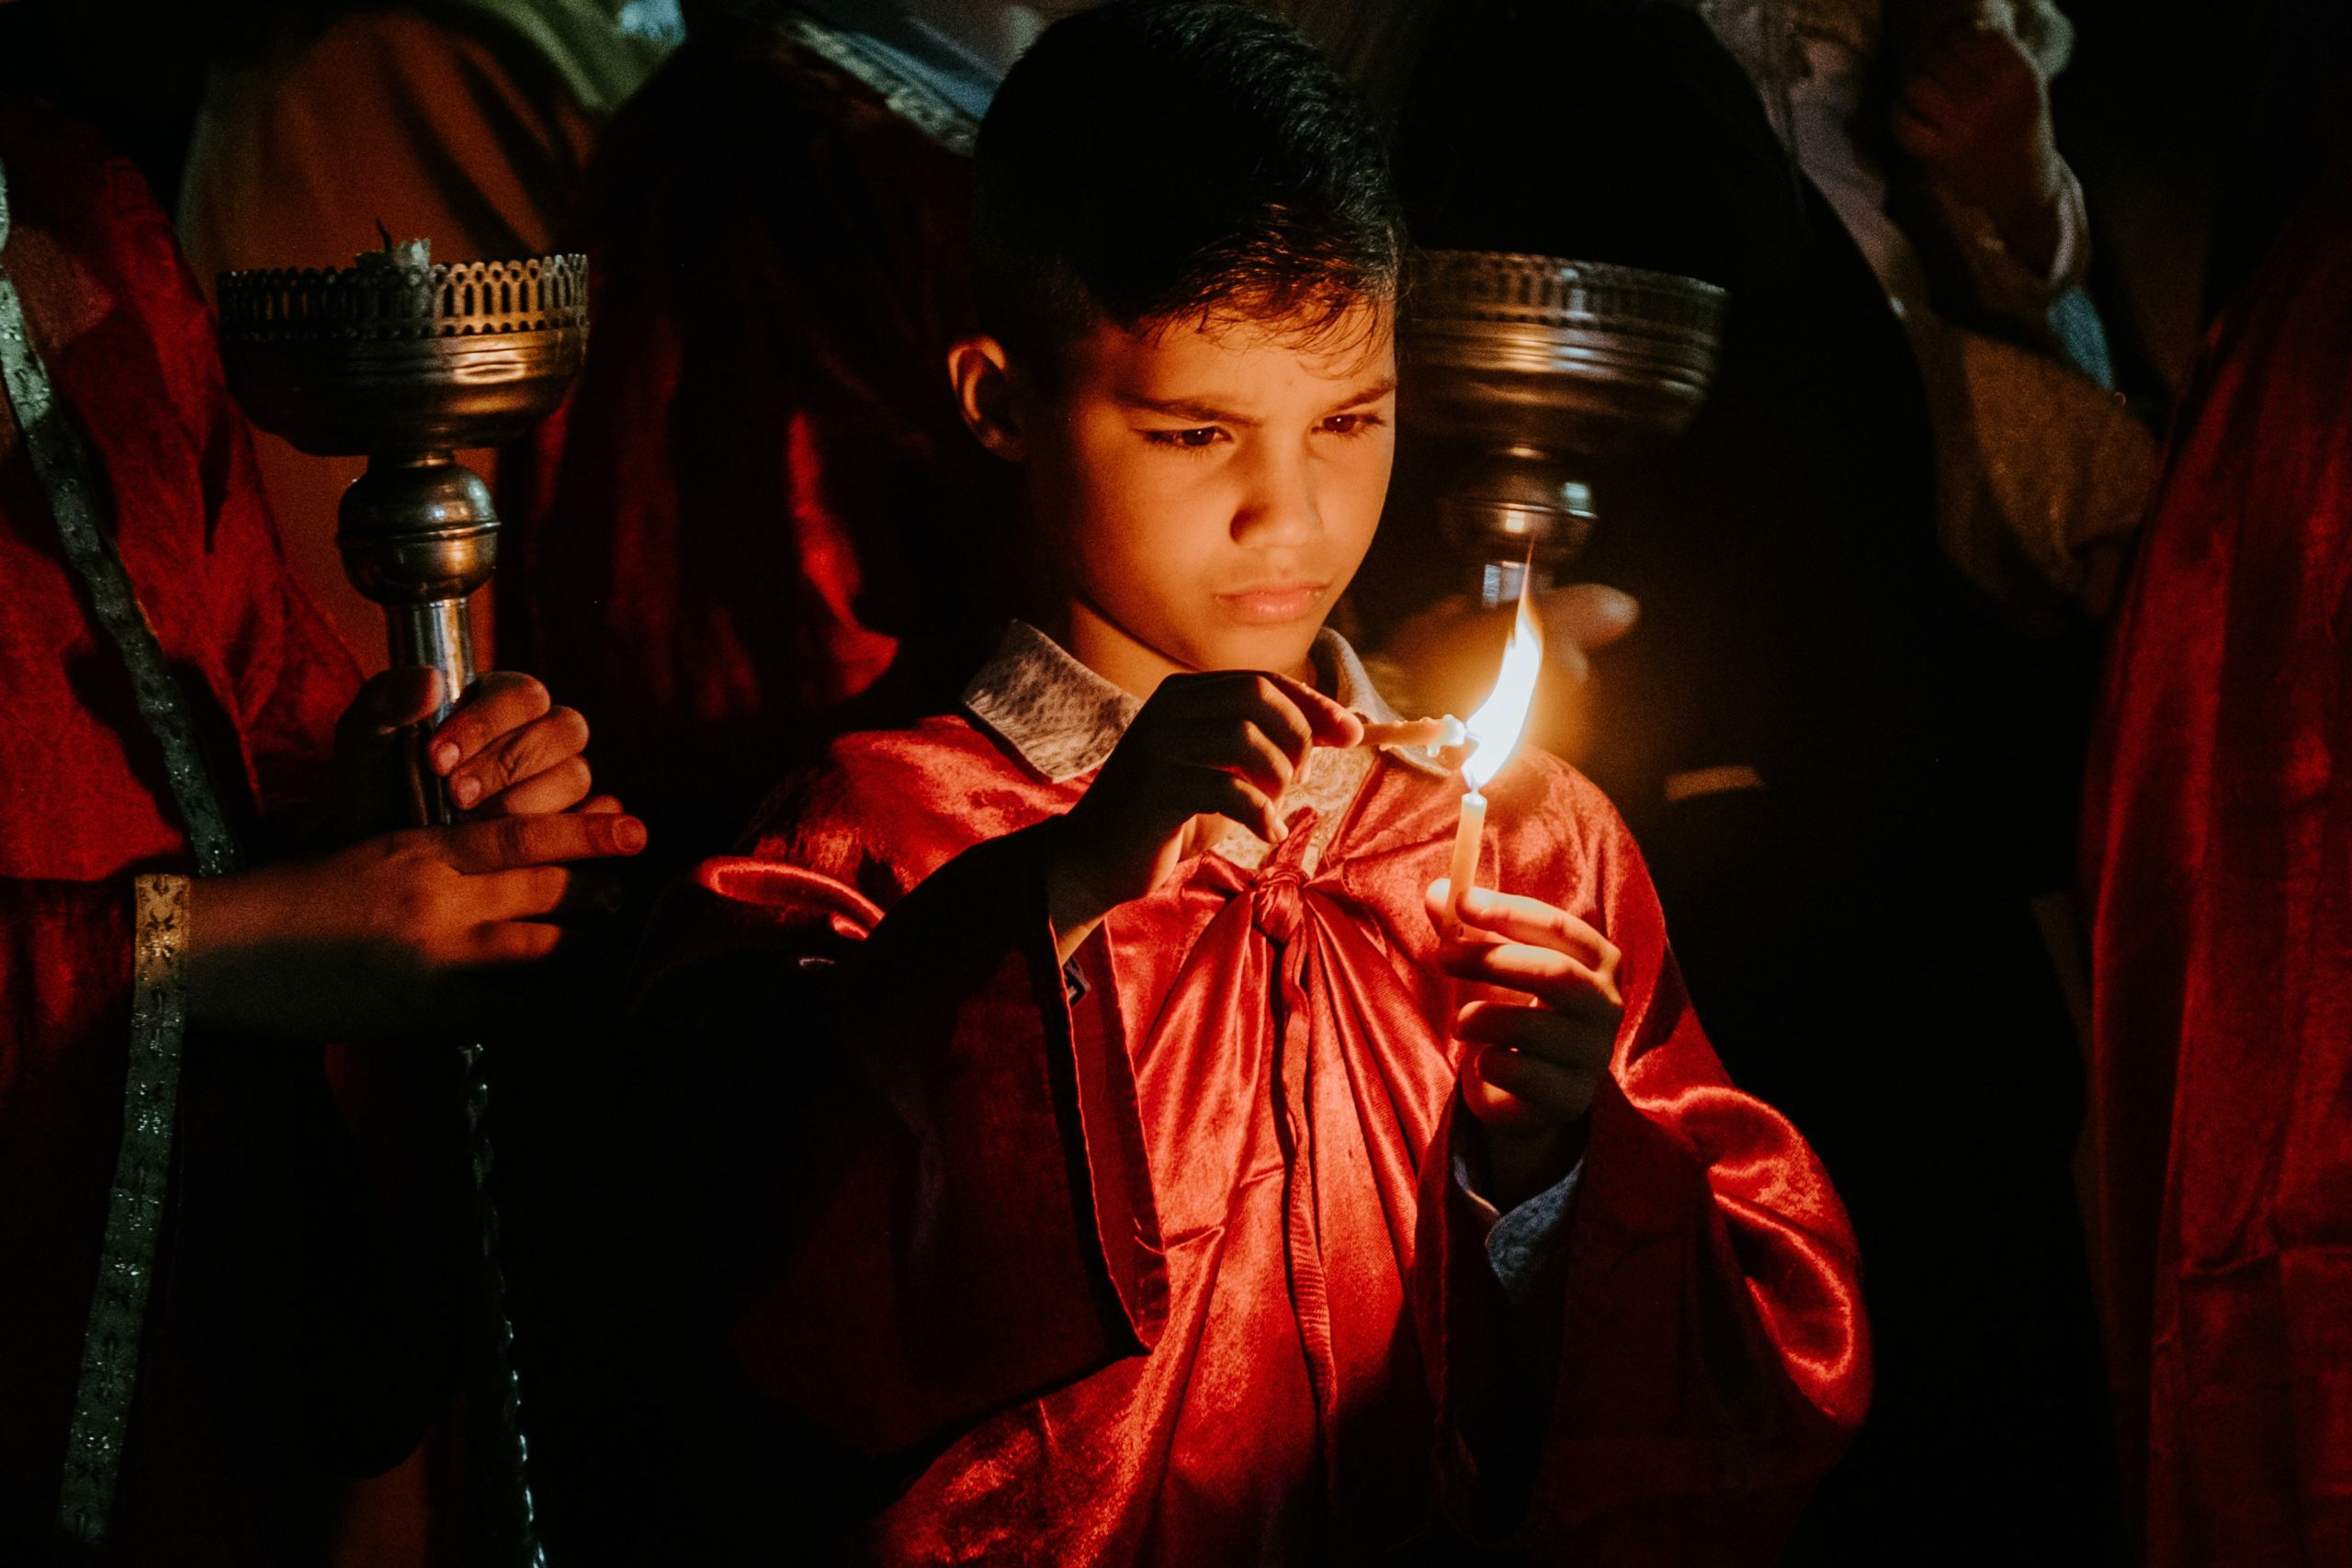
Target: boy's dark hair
1152,161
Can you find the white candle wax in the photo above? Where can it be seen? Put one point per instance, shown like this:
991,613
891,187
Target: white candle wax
1465,853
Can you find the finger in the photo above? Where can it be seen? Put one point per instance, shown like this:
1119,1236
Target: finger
501,843
1573,1044
386,704
515,942
1588,615
536,892
1522,920
555,737
1265,701
1239,800
1333,723
1554,978
1241,746
603,804
384,708
496,703
1277,713
1560,1094
558,788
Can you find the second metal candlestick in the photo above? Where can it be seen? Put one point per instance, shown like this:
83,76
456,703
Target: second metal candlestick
1537,365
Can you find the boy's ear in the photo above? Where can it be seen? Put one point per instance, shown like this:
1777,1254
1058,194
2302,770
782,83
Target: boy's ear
983,381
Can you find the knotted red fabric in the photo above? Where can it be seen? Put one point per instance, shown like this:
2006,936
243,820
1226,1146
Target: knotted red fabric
1172,1265
2219,832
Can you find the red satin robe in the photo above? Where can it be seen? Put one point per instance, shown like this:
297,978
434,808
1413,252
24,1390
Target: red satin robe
257,1377
2218,827
1178,1271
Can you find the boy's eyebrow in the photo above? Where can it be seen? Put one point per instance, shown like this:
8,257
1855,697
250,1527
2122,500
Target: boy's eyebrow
1185,408
1370,392
1209,414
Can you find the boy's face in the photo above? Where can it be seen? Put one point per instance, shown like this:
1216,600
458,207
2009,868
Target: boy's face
1209,493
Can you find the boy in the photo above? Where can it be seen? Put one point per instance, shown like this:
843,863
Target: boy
1141,1200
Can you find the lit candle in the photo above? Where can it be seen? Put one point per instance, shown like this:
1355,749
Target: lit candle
1495,728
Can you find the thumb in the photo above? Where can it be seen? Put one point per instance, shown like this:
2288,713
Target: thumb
386,704
1585,615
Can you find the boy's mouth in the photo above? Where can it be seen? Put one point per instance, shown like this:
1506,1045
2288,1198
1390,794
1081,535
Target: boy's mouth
1272,604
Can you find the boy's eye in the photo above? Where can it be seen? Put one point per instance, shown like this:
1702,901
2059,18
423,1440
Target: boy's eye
1349,424
1191,440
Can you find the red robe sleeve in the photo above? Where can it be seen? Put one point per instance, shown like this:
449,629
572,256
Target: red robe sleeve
954,1261
1712,1358
286,674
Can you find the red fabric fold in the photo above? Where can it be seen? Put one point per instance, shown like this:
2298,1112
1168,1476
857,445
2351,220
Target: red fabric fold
2218,829
1279,1043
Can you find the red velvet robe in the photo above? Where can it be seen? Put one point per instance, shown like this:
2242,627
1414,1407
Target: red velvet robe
1178,1272
2219,828
246,1383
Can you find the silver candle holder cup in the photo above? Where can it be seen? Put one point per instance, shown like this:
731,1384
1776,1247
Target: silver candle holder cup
405,362
1537,365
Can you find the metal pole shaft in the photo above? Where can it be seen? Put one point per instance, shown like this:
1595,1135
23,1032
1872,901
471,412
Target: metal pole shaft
438,635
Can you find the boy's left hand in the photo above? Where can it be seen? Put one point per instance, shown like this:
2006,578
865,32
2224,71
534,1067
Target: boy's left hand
1534,1067
507,751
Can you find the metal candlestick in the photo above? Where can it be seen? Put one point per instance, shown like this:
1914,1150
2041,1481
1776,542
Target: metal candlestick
404,362
1537,364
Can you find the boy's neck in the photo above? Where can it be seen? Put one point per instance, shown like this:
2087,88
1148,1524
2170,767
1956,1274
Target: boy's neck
1127,662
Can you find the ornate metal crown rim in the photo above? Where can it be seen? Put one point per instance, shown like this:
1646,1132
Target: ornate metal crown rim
447,299
1455,288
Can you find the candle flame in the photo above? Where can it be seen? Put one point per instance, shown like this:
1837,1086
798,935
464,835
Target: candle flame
1502,717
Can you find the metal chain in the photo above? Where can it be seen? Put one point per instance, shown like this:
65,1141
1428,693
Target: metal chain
507,1385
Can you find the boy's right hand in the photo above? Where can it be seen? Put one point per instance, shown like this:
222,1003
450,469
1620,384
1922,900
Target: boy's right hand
1222,743
387,937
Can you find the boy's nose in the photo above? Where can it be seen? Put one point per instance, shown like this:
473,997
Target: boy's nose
1279,507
